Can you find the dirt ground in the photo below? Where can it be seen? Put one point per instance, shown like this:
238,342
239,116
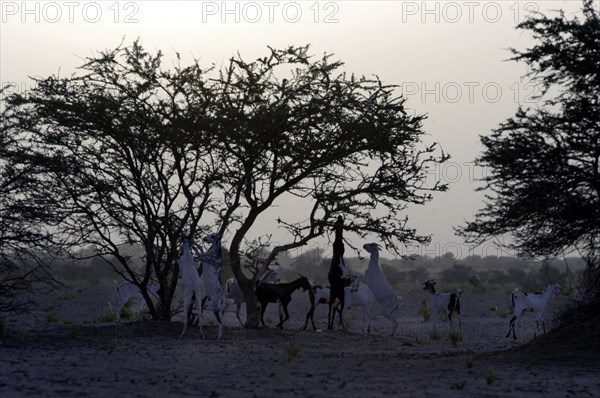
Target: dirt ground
63,350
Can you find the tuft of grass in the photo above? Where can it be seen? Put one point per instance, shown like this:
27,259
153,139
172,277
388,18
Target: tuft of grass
51,317
350,320
111,346
126,313
454,337
499,312
425,311
469,362
490,377
8,331
291,351
74,331
143,314
107,317
434,335
64,296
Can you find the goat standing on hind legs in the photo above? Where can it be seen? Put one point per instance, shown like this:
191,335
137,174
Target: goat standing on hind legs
190,282
211,272
381,289
337,274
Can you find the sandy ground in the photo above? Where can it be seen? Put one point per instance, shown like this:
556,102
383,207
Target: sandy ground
69,353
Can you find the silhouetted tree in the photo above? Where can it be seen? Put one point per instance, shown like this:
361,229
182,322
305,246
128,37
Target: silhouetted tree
543,163
110,149
296,128
26,240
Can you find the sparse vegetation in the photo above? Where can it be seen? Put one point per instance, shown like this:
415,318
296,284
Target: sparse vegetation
291,351
425,311
107,317
502,313
350,320
469,362
126,313
65,296
72,329
51,317
490,376
111,346
454,337
434,335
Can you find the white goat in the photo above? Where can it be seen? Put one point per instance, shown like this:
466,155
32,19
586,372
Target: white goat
355,296
535,302
382,291
128,291
235,294
445,303
190,282
211,271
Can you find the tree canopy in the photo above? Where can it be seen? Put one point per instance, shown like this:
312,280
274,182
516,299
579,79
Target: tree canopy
26,240
543,163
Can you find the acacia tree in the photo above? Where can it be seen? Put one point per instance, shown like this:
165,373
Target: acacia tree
543,163
297,128
26,242
110,146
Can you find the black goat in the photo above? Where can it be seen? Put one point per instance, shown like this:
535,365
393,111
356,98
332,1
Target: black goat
282,292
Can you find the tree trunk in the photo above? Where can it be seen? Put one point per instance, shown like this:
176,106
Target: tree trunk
252,305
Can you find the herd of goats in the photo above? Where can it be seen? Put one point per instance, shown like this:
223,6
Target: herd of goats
344,291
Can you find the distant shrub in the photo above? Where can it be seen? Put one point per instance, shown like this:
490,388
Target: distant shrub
458,274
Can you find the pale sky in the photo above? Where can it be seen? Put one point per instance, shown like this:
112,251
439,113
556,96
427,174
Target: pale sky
448,56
